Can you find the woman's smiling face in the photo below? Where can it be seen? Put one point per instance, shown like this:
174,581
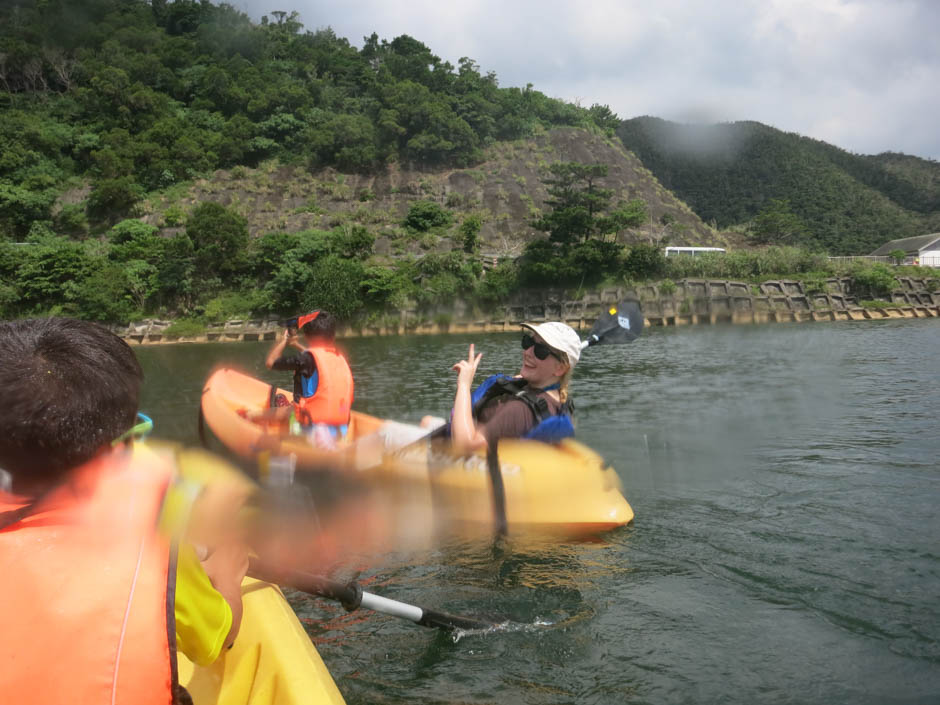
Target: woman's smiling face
541,373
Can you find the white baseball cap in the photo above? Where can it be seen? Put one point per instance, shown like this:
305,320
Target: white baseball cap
558,336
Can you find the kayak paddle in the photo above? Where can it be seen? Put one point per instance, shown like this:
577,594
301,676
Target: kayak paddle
620,324
351,596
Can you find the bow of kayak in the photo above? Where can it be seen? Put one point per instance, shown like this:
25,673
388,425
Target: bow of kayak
272,662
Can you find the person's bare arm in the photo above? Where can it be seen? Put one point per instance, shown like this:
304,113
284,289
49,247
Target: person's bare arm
465,435
275,352
226,568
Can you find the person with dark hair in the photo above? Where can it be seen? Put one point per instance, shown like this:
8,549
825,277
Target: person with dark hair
323,382
69,388
91,570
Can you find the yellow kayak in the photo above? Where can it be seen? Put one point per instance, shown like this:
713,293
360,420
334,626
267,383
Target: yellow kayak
565,488
272,662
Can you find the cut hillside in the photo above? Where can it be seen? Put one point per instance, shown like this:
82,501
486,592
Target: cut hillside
505,189
728,173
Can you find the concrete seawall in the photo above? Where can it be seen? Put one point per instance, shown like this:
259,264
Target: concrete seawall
687,302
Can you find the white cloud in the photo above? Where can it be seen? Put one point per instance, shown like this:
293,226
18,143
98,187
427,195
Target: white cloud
860,74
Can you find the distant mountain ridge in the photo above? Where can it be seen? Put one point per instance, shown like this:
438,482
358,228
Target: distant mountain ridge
728,173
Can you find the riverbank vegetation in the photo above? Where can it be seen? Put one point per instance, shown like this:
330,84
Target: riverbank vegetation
211,272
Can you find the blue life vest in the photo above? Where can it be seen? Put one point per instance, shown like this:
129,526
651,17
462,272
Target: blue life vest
308,385
549,428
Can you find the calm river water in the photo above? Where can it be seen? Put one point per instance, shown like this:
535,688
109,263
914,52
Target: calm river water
786,547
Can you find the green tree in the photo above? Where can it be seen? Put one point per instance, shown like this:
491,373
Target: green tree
174,278
470,233
220,239
348,141
104,295
393,286
644,262
285,290
579,207
776,224
334,285
20,207
604,117
111,198
266,253
141,282
135,240
543,263
575,199
51,273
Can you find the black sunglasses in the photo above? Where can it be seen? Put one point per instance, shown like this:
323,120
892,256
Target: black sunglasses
541,349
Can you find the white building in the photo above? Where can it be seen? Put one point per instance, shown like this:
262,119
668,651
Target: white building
923,250
673,251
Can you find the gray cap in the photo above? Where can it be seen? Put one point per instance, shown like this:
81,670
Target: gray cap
559,336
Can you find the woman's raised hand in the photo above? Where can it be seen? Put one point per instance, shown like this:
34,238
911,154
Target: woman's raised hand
466,369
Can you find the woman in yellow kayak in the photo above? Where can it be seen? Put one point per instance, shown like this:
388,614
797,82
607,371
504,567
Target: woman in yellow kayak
520,406
93,607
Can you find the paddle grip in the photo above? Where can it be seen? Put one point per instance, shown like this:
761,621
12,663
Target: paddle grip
349,595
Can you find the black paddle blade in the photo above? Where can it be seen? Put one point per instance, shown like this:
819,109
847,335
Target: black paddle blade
622,324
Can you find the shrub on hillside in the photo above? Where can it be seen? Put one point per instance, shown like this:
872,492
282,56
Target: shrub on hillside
334,285
595,260
72,220
110,198
233,304
874,279
284,291
644,262
219,237
499,283
354,242
424,215
445,277
544,264
390,287
470,233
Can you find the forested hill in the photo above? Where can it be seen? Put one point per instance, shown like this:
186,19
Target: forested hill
178,159
732,173
136,96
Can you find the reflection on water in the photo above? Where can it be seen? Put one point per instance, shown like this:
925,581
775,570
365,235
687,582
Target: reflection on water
785,484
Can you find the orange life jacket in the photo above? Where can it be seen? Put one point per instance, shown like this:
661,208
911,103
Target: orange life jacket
86,597
334,396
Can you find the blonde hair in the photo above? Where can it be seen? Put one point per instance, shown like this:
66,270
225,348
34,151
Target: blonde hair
565,381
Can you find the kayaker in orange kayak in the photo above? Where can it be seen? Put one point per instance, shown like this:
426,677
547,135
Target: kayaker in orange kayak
323,382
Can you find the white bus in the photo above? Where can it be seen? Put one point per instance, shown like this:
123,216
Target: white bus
694,251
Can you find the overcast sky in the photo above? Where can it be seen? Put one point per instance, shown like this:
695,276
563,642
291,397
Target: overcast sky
860,74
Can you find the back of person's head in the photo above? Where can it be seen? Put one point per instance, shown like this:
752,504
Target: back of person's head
69,388
322,328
